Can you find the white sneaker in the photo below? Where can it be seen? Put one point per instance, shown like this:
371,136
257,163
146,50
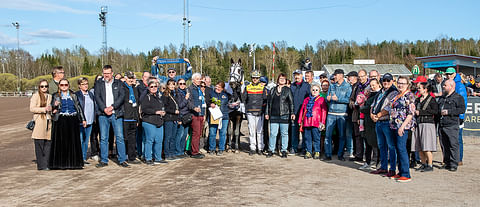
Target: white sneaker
95,158
351,156
364,166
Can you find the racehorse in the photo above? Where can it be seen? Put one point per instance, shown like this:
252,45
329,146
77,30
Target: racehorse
235,82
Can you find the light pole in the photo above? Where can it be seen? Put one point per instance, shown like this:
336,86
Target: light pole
252,51
103,19
201,60
17,56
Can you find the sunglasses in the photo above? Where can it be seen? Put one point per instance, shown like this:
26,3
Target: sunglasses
385,81
448,73
171,72
62,85
182,84
153,86
43,86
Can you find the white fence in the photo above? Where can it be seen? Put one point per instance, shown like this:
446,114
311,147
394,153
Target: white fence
16,94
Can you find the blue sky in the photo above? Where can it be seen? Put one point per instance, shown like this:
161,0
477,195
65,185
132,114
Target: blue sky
140,26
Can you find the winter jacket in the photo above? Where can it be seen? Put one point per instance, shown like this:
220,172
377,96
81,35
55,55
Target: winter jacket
369,126
223,97
427,115
319,113
81,101
286,103
254,97
164,79
299,92
343,92
150,105
184,105
455,105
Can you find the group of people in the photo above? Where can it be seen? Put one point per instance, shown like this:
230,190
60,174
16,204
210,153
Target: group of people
373,118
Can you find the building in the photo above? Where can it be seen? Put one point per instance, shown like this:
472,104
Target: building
462,63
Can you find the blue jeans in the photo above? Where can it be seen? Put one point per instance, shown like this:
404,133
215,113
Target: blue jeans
349,135
117,123
460,144
401,147
312,133
170,136
180,140
84,139
212,136
153,141
340,122
140,141
386,145
272,140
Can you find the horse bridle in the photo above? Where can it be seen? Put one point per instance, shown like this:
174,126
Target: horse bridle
237,76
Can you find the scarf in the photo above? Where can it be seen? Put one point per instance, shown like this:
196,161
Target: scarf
310,104
131,98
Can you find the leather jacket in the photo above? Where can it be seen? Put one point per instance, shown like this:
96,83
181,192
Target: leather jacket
56,96
286,102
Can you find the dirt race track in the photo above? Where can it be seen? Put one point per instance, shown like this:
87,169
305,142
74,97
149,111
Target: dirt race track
230,180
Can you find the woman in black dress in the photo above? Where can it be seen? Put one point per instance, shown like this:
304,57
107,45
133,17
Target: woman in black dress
66,151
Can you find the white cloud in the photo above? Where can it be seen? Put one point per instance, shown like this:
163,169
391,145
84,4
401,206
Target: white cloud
8,41
165,17
39,5
52,34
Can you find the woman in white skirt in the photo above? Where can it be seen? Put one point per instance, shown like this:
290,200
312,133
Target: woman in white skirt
425,140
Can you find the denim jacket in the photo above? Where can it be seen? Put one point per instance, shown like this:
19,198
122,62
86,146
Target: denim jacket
343,93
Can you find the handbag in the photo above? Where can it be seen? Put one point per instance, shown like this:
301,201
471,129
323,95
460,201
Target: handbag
187,118
30,125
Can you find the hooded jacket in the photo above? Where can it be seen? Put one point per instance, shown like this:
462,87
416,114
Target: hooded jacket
462,91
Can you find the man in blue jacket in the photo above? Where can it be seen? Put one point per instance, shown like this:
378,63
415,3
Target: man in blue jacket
338,97
451,74
172,73
300,90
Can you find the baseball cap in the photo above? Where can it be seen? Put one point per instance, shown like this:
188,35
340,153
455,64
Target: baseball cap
338,71
297,71
387,76
450,70
264,79
420,79
352,73
129,74
169,69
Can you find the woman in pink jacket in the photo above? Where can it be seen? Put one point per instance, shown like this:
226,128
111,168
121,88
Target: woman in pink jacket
312,120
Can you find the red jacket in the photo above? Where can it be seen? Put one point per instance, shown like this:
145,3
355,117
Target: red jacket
319,112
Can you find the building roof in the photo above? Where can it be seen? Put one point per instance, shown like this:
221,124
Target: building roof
449,56
394,69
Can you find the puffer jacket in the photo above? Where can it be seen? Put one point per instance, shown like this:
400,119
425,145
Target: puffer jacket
184,105
319,113
343,92
254,98
286,102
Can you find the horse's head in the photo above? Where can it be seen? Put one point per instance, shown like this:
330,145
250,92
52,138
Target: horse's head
236,72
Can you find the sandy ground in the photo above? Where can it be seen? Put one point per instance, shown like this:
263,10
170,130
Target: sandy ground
230,180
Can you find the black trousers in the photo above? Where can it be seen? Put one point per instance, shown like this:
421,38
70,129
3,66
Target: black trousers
358,141
94,144
42,152
130,137
449,139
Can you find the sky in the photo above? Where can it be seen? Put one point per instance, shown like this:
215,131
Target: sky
139,26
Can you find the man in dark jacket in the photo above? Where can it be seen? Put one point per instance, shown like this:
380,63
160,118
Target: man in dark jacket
130,119
300,90
451,105
352,128
109,96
